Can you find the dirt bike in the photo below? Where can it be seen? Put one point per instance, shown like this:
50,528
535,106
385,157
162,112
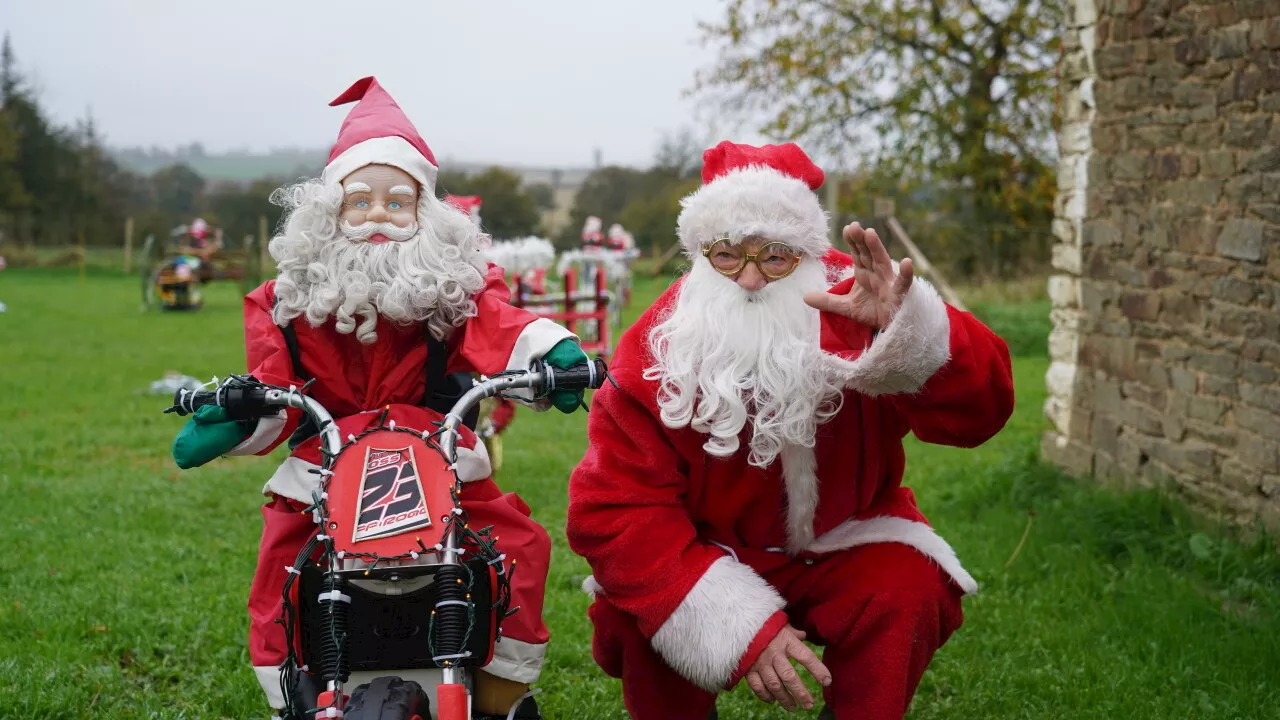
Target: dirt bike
397,593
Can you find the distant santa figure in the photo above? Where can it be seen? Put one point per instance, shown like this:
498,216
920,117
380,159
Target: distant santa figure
469,204
619,239
591,235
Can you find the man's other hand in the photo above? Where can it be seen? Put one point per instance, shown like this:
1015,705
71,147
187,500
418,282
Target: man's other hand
772,677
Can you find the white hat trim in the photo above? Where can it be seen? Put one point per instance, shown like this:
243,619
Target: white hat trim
392,150
754,201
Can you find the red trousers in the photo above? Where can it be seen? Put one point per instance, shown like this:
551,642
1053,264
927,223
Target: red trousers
881,611
517,656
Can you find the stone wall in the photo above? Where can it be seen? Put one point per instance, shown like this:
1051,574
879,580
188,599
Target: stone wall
1166,344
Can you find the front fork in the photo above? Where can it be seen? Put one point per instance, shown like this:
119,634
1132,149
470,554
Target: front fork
452,608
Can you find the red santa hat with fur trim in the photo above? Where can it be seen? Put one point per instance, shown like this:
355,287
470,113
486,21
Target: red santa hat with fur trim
749,191
377,132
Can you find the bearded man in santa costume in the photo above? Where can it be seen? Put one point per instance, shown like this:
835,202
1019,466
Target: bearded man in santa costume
379,281
742,491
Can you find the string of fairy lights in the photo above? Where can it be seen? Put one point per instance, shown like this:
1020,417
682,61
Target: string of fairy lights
481,544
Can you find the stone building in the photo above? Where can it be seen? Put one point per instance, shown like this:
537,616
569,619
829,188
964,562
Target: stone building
1166,343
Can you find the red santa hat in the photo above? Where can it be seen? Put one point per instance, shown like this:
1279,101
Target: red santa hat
377,132
766,192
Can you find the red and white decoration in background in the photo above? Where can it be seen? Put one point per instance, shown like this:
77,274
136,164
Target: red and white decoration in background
469,204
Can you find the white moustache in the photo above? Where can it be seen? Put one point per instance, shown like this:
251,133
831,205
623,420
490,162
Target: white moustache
369,229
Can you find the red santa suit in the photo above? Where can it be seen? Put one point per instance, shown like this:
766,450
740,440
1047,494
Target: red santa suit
357,381
699,561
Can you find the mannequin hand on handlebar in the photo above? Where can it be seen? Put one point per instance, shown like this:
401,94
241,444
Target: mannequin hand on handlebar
209,435
564,355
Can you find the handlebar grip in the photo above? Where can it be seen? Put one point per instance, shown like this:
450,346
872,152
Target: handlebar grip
589,375
186,402
241,403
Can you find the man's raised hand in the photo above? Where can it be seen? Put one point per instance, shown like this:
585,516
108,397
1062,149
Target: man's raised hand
877,290
772,677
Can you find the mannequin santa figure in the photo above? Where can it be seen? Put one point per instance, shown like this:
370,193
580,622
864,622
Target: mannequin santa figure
618,238
376,278
591,235
742,490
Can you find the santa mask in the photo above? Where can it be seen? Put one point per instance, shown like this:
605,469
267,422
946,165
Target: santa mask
369,239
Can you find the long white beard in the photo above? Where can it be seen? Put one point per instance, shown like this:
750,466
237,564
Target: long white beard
429,278
725,357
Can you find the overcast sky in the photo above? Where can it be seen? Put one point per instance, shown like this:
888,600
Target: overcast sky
532,82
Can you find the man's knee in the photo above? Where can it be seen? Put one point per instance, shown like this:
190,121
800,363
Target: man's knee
897,585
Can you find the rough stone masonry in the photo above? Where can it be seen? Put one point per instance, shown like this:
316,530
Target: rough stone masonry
1166,343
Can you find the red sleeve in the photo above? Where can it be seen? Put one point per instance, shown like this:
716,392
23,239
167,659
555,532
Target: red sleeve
267,358
627,518
501,336
948,375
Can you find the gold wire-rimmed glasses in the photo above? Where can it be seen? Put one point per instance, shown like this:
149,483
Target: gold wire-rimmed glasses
776,260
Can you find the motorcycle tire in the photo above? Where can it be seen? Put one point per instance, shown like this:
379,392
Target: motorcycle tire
388,698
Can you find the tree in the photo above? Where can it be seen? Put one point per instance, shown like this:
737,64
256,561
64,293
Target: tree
178,192
507,211
604,194
951,92
543,196
236,208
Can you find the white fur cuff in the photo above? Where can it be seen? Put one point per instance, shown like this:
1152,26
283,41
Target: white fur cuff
707,635
265,432
269,678
517,661
914,346
536,340
473,463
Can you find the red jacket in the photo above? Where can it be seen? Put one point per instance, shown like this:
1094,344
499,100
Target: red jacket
655,516
352,378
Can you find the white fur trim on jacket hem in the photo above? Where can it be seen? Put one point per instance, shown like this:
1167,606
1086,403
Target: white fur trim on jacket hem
707,635
753,201
473,463
392,150
903,356
265,432
516,660
269,678
886,529
799,471
536,340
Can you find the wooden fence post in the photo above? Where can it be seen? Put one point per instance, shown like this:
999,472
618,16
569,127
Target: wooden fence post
922,265
263,241
128,244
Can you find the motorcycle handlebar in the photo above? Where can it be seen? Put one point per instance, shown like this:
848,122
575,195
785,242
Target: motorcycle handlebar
245,398
589,375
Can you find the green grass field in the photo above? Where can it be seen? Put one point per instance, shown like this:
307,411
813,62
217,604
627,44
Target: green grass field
123,580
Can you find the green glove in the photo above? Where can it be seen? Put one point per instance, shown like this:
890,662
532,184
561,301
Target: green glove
208,435
564,355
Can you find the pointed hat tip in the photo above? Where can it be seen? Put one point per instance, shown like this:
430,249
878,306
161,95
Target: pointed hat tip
355,92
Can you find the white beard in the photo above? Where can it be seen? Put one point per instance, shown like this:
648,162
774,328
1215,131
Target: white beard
725,357
429,278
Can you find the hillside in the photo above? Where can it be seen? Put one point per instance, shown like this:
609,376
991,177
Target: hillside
244,166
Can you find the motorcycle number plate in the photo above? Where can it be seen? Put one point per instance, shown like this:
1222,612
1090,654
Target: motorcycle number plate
391,500
389,490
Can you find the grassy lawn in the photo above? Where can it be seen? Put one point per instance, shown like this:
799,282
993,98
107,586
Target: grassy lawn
123,581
